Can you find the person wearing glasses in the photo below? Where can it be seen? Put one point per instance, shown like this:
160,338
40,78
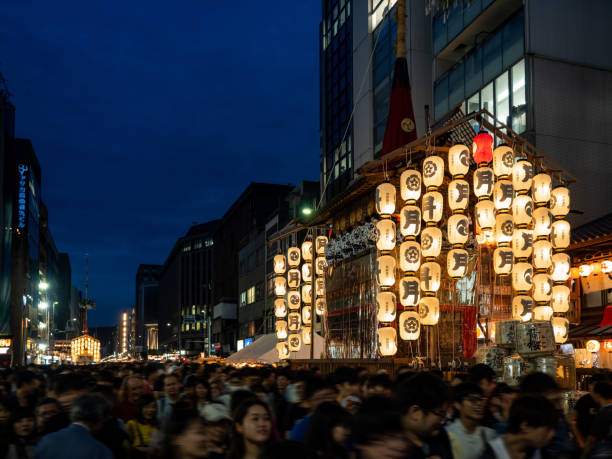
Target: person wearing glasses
467,436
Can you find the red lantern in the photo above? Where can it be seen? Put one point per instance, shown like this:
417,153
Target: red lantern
482,148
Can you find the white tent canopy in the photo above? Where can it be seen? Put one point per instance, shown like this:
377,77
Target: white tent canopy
264,350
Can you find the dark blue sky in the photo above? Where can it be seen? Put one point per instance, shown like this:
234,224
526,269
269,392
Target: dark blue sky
149,115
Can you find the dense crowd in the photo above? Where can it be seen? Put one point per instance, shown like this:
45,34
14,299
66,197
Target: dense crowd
194,411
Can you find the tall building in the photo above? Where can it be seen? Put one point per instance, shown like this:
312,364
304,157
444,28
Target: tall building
147,284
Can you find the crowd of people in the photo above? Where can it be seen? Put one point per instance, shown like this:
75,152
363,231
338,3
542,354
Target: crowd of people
194,411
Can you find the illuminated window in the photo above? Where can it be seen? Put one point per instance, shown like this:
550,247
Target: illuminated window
251,295
243,298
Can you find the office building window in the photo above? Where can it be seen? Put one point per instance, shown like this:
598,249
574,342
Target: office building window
243,298
519,101
250,297
502,99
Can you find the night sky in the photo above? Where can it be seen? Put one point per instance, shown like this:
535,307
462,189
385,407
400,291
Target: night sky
148,116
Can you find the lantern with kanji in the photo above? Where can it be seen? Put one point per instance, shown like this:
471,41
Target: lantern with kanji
385,303
560,234
409,326
307,293
503,160
503,261
560,298
320,266
280,307
433,171
542,222
280,286
522,176
458,195
295,342
542,187
542,288
410,221
458,160
522,243
307,272
385,199
522,307
294,278
410,256
482,147
410,185
456,264
281,329
560,267
283,350
542,313
522,210
483,182
458,229
503,194
385,272
280,264
294,299
560,201
430,276
320,244
294,321
522,277
409,291
307,335
542,255
432,206
560,329
320,306
307,315
294,257
387,341
307,251
431,242
386,231
485,214
504,228
429,310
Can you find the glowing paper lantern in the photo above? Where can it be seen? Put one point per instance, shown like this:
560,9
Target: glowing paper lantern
433,171
522,210
385,306
542,255
592,345
542,288
280,307
503,194
283,350
560,267
385,271
482,148
409,291
387,341
483,182
456,264
307,293
606,266
280,286
503,261
294,299
542,313
281,329
307,315
560,329
319,286
294,321
293,256
522,176
431,242
307,251
320,266
320,306
385,199
410,256
504,228
410,185
410,221
485,214
458,229
560,298
409,326
542,188
522,277
320,244
280,264
560,201
458,160
295,342
432,206
307,335
386,232
429,310
522,243
585,270
542,222
458,195
560,234
307,272
503,160
430,276
294,278
522,308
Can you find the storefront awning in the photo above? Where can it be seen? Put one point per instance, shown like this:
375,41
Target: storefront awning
590,331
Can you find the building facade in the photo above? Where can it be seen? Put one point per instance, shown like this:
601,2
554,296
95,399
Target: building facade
147,284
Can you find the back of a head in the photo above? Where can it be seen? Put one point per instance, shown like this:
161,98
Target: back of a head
286,448
481,371
327,416
535,411
464,390
344,374
381,379
603,389
313,384
377,416
24,377
238,397
424,390
538,383
90,409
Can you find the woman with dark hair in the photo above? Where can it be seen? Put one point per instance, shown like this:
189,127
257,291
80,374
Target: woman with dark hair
328,431
184,435
143,427
23,435
202,392
252,429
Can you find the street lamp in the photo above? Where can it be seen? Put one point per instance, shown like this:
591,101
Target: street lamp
43,286
43,305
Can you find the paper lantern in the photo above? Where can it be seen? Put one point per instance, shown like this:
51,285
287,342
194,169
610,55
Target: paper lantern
522,176
280,307
320,306
560,300
386,232
280,264
458,160
432,206
293,256
458,195
294,278
320,244
560,329
503,261
522,307
410,221
430,275
319,286
409,291
542,288
307,272
596,268
283,350
482,147
409,326
608,345
522,277
560,234
483,182
429,310
385,271
433,171
307,335
410,256
542,313
503,160
542,255
522,242
431,242
606,266
522,210
281,329
385,199
542,222
585,270
560,201
458,227
294,299
385,306
280,286
542,187
320,266
307,315
503,194
456,263
592,345
560,267
410,185
387,341
295,342
307,251
294,321
307,293
504,229
485,215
